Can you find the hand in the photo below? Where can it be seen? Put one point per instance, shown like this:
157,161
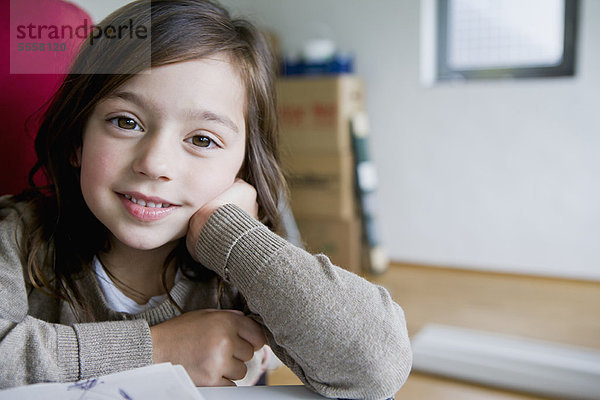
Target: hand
212,345
239,193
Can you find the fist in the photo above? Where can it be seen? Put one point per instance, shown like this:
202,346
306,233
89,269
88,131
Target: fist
212,345
239,193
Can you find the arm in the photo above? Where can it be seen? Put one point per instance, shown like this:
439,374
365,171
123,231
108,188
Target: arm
342,335
33,350
211,344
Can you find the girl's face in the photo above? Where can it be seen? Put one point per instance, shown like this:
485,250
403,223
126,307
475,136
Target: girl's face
160,147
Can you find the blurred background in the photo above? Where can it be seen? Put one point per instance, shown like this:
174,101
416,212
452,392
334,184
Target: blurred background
453,160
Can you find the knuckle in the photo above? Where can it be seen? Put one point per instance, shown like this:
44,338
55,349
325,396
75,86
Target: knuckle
248,353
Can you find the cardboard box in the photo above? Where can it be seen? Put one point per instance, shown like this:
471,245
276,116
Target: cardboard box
321,185
340,240
314,112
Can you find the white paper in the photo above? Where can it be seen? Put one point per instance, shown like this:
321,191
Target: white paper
157,382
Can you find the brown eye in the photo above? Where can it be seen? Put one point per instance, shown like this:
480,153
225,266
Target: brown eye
126,123
201,141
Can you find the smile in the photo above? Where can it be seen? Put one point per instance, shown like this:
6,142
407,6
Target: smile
143,203
146,209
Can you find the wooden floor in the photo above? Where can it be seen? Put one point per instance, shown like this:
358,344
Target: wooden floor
557,310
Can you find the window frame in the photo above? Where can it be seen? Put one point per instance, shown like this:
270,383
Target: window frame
566,67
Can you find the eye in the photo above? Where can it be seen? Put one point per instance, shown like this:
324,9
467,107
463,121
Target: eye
126,123
201,141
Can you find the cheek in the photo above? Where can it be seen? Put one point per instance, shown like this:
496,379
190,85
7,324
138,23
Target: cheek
207,183
97,166
205,186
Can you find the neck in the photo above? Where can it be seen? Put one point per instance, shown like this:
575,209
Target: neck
139,273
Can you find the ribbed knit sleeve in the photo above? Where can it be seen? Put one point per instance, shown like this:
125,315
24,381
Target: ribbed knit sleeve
35,351
107,347
343,336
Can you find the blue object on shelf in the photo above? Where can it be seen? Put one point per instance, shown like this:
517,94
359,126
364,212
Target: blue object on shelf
341,63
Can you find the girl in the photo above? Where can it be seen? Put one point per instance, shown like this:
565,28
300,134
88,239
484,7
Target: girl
155,239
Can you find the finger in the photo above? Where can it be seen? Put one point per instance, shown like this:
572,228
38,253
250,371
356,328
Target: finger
225,382
243,350
252,332
235,370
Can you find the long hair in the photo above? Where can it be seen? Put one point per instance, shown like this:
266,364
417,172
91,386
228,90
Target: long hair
181,30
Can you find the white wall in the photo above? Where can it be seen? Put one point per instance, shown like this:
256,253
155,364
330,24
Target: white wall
501,176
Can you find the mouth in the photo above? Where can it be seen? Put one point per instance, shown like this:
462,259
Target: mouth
147,203
146,209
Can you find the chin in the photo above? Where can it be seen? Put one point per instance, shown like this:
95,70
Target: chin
147,243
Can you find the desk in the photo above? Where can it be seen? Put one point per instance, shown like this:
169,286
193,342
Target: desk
258,393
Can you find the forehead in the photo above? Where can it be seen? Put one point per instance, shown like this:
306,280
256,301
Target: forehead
208,85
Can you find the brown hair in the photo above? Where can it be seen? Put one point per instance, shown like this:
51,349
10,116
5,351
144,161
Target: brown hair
180,30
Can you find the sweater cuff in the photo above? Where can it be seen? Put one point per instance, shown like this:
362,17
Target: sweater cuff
235,245
112,346
68,352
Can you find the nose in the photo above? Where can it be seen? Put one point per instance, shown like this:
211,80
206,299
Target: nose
154,158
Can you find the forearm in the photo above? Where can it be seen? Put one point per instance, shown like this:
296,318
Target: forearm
342,335
36,351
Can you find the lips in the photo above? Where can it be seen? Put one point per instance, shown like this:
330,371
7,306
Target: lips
146,209
145,203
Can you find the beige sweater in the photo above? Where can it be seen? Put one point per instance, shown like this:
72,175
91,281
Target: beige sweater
341,335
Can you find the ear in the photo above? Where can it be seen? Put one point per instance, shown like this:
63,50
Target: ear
75,159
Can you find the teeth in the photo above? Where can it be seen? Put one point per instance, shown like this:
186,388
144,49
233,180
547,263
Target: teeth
148,204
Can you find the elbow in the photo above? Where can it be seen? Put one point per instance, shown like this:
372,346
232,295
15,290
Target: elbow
377,376
380,373
390,360
387,372
387,358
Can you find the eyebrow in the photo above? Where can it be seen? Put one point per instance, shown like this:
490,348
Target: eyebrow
190,113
